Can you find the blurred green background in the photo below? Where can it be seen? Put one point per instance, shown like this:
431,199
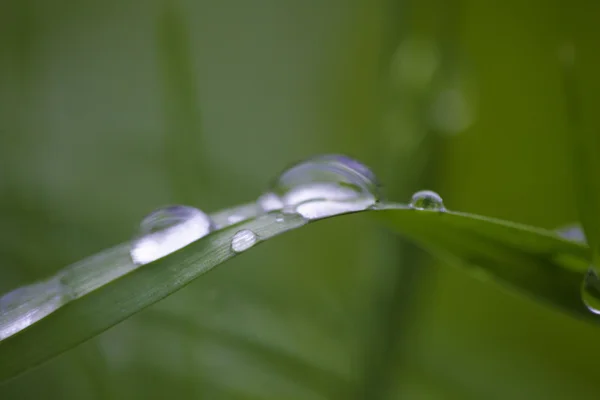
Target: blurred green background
111,109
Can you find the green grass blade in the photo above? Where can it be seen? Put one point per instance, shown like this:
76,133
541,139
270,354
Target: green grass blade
108,288
534,261
107,305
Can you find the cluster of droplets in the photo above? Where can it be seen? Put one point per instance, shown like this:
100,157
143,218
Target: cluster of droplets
315,188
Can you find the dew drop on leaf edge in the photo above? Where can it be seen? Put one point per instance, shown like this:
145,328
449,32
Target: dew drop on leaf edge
167,230
427,200
590,291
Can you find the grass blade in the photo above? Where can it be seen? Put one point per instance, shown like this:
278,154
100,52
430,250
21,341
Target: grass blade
536,261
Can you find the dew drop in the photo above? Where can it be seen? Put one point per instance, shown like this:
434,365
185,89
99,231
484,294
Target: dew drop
26,305
167,230
323,186
427,200
243,240
590,291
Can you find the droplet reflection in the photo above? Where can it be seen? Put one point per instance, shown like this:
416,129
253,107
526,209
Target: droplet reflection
243,240
590,291
427,200
28,304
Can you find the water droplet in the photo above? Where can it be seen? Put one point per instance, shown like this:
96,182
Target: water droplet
26,305
427,200
590,291
326,185
167,230
243,240
279,218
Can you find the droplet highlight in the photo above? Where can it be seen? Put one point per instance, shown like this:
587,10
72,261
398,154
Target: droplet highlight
427,200
590,291
167,230
243,240
572,232
270,202
323,186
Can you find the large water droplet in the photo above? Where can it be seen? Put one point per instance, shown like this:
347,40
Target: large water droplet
427,200
243,240
325,185
167,230
590,291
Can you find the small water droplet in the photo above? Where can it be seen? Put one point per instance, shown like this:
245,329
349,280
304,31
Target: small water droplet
167,230
590,291
325,185
279,218
243,240
427,200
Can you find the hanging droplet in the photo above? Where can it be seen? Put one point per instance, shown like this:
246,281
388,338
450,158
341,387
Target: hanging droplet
427,200
167,230
325,185
590,291
243,240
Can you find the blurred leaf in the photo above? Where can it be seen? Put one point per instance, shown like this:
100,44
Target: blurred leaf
585,149
536,261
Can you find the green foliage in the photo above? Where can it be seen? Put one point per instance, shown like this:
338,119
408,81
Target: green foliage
111,109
